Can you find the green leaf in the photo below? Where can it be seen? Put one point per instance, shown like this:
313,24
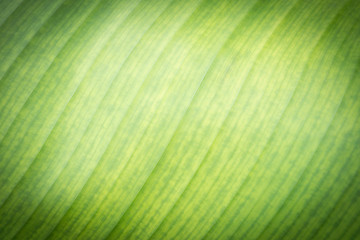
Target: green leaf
173,119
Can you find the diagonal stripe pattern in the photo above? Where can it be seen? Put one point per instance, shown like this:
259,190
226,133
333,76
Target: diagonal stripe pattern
172,119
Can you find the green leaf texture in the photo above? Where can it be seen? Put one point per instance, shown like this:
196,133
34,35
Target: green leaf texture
180,119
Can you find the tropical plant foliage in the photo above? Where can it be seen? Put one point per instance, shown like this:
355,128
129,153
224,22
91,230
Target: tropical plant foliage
179,119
